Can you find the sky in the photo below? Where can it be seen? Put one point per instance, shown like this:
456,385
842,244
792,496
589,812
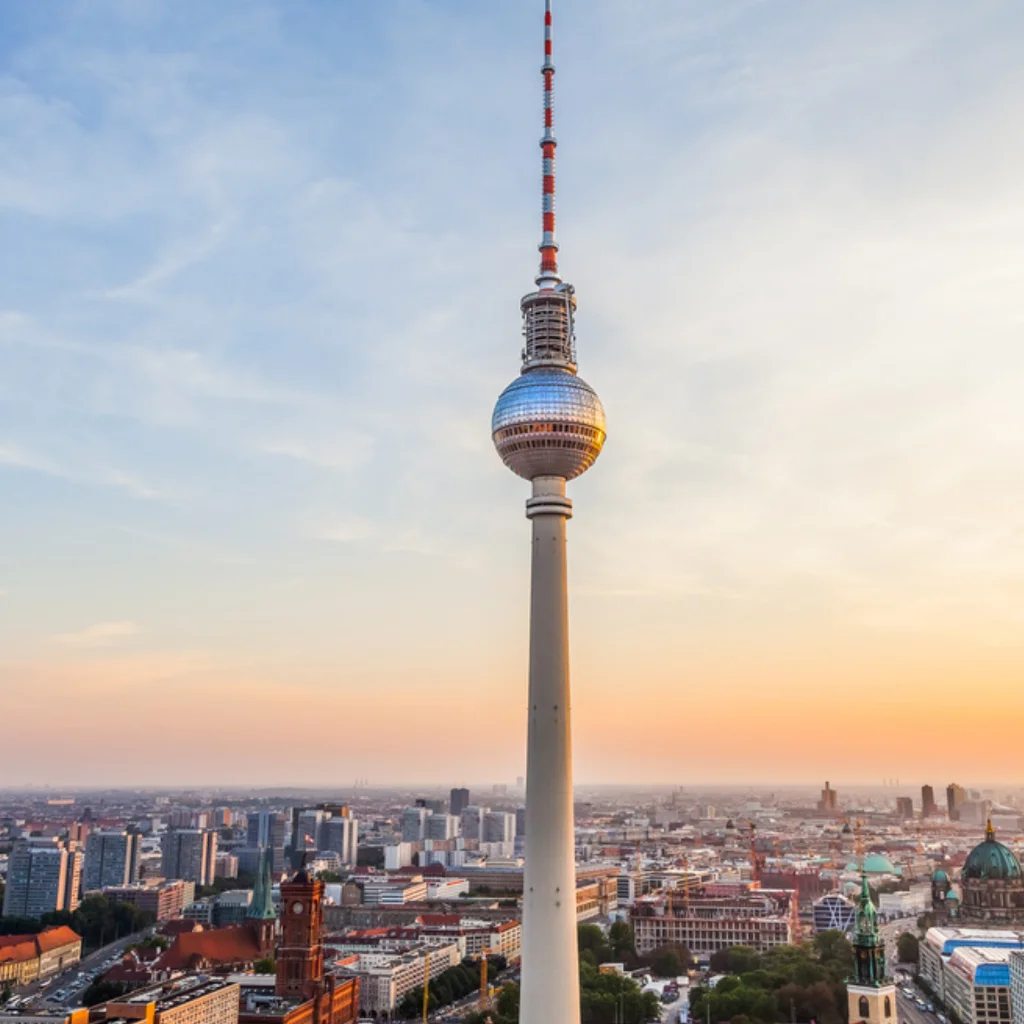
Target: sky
259,283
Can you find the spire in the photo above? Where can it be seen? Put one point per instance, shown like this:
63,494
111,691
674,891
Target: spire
262,906
548,277
990,832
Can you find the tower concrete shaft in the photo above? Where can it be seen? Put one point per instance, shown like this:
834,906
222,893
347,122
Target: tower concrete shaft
550,963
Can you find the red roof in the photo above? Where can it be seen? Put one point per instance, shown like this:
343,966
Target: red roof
233,945
439,919
179,926
54,938
14,948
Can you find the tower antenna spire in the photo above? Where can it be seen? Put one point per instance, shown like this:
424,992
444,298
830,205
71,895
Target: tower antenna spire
548,277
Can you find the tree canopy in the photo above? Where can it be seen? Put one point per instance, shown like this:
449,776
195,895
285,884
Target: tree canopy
908,948
802,982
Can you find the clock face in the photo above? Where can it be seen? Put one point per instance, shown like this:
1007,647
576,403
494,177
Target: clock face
297,907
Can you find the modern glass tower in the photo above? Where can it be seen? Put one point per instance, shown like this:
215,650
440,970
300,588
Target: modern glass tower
548,427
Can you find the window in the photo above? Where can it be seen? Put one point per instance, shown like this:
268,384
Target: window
863,1009
888,1007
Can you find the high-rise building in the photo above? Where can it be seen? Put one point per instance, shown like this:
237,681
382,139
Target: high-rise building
520,821
905,807
341,835
442,826
414,824
307,831
43,875
222,817
499,827
955,796
459,799
432,804
189,854
267,829
111,858
829,802
549,427
472,819
928,806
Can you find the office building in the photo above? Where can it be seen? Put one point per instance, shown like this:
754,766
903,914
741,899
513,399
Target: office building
385,978
266,829
225,866
307,829
472,821
904,807
714,918
1016,972
955,796
520,821
834,912
164,901
188,1000
189,854
342,836
829,802
43,875
458,801
414,824
442,826
431,804
111,858
929,808
394,891
499,827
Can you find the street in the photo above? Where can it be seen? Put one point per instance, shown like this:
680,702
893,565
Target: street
74,980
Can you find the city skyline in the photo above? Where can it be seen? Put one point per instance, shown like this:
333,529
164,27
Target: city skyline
241,242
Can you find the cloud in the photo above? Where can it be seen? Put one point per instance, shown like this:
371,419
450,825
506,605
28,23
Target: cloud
102,634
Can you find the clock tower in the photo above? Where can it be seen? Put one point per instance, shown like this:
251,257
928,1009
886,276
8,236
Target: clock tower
300,955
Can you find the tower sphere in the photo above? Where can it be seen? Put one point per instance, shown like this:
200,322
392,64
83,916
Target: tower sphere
548,422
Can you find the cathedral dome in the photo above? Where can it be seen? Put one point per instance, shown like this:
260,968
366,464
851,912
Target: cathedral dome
877,864
991,861
940,876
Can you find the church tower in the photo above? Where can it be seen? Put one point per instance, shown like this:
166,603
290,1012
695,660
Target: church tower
300,955
871,992
261,918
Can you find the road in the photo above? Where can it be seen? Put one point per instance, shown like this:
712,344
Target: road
73,981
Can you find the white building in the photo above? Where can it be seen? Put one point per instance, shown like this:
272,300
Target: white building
397,855
394,892
447,888
966,968
385,978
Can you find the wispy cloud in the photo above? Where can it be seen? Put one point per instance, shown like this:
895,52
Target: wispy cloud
102,634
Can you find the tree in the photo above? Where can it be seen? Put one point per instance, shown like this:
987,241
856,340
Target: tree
666,963
268,965
623,943
924,922
593,945
329,876
908,948
735,960
100,991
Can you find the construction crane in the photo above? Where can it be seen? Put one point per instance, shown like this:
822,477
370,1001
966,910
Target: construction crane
426,984
485,995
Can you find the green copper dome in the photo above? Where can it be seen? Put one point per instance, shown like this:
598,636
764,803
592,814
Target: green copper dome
940,876
877,864
991,861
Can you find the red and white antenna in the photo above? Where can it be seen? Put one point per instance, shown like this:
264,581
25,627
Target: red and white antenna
548,277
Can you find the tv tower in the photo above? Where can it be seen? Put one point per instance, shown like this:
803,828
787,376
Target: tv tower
548,427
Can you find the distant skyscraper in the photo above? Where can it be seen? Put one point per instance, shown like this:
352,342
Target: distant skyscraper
928,805
189,854
433,805
342,836
829,802
414,824
473,821
499,827
442,826
308,822
520,821
905,807
955,796
43,875
111,858
267,829
459,801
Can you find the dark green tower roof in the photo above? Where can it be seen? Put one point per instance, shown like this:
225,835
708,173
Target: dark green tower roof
868,945
262,906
